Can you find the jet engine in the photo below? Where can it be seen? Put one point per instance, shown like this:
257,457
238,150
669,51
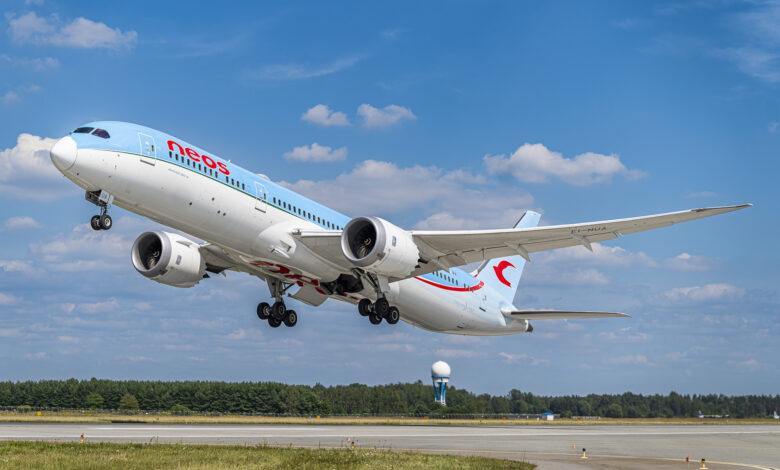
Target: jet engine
378,246
168,258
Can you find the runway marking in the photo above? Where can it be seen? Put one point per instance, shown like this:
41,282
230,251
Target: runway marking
565,454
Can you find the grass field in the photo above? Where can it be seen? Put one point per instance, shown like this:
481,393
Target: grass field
55,456
92,417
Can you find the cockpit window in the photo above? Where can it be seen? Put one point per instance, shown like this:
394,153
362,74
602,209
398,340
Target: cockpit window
83,130
101,133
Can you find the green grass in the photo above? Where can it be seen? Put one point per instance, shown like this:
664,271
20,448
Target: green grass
49,455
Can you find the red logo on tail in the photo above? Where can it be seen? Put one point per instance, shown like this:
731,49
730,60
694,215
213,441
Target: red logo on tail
500,271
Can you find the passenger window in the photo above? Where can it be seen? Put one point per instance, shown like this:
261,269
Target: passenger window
83,130
102,134
227,180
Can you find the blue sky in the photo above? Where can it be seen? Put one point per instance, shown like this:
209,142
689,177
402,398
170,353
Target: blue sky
445,115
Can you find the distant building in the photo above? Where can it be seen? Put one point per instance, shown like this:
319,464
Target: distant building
548,416
440,373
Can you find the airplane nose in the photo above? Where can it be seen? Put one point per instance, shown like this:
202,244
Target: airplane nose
63,154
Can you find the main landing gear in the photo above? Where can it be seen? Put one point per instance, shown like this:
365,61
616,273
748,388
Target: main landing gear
103,200
379,310
277,314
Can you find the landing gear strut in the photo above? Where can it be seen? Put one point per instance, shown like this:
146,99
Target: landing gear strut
277,313
103,200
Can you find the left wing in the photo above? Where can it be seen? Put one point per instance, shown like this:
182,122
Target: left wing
558,314
446,249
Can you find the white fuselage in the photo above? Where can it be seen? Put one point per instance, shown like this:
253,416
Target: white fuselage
201,203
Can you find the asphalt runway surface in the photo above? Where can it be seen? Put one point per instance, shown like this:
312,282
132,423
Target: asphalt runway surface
556,447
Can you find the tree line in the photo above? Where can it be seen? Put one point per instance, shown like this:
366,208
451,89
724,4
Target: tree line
356,399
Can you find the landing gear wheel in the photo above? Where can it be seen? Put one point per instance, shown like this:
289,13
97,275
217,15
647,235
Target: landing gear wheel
291,318
375,319
106,222
95,222
263,311
278,310
381,307
273,322
364,307
393,315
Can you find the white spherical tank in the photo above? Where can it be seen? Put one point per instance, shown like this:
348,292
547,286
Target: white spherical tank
440,369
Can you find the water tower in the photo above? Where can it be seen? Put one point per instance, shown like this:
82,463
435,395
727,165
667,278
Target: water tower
440,373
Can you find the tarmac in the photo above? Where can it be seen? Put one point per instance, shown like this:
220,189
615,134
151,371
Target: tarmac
556,447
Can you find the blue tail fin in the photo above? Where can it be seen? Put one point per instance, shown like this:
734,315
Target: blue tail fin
503,274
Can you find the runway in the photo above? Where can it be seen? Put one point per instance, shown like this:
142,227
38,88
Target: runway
608,446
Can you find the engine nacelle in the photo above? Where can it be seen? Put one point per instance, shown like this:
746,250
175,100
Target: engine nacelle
377,245
168,258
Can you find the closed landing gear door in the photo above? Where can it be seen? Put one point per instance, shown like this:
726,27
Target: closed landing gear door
148,151
260,196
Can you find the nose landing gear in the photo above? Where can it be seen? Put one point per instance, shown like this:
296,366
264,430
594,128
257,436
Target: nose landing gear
103,200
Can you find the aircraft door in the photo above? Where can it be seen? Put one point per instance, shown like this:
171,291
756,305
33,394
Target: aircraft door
148,151
260,195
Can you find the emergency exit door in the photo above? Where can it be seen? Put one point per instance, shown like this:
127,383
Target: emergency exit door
148,151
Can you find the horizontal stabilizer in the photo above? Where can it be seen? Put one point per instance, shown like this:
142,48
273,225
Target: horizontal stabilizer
559,314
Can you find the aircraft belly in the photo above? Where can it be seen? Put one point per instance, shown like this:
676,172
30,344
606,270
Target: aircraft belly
445,312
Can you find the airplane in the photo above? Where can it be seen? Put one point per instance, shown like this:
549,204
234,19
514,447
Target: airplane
702,416
250,224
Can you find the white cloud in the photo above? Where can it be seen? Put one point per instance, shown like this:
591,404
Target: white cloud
773,126
83,249
688,262
9,97
675,356
756,62
80,33
365,190
459,353
37,63
385,117
571,277
300,72
68,339
26,171
750,364
241,334
7,299
15,265
613,256
523,359
535,163
21,223
324,116
316,153
705,293
38,355
632,359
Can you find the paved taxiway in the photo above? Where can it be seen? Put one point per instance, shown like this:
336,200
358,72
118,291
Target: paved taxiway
609,446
